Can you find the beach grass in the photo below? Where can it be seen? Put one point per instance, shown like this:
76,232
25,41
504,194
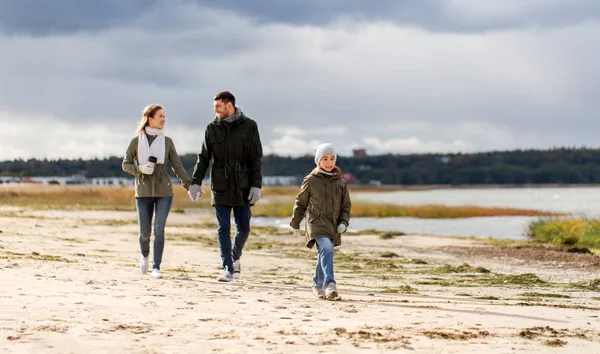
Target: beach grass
277,202
568,231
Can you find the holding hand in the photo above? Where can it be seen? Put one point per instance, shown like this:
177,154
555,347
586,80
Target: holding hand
195,192
254,195
341,228
146,168
296,231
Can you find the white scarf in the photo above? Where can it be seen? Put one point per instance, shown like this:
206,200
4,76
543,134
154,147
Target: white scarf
157,149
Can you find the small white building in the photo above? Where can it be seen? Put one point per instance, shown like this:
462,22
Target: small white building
281,181
9,179
111,181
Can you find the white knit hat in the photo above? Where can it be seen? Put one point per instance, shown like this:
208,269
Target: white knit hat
322,150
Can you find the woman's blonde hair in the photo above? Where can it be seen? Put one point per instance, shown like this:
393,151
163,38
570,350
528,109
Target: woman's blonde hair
148,112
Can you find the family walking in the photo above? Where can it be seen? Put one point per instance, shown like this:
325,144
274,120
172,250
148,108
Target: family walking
232,149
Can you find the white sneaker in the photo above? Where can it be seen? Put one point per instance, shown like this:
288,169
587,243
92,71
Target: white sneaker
156,273
144,262
331,292
319,292
237,270
225,276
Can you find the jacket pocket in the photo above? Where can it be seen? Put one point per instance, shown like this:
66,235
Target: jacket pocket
243,181
218,181
218,146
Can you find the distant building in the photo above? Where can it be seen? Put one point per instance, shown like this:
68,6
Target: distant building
349,178
445,159
124,181
281,180
9,179
111,181
359,152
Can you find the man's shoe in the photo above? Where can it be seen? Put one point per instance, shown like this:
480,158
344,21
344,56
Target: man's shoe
237,269
225,276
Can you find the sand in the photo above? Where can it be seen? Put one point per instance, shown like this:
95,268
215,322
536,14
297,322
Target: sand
70,284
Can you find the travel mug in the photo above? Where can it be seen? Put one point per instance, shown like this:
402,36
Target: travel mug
152,162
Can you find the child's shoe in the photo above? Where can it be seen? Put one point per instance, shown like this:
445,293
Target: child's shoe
331,292
319,292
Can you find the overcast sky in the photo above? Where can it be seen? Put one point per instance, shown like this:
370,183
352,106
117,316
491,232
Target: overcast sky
395,76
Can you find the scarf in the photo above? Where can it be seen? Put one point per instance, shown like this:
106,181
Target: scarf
332,173
335,173
237,115
157,149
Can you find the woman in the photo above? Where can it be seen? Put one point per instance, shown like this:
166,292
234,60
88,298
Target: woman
153,188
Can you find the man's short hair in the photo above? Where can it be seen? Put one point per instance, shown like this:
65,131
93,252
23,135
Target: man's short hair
225,97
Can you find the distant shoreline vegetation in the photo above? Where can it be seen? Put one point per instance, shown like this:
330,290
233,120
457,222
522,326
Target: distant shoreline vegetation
276,202
549,167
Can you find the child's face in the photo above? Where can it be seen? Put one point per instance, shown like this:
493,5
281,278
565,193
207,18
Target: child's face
327,162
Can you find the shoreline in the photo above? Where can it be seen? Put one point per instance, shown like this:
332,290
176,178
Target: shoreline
71,283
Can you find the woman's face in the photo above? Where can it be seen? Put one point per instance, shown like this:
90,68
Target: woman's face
158,121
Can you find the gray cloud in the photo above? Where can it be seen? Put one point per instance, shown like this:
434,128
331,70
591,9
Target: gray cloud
41,17
385,86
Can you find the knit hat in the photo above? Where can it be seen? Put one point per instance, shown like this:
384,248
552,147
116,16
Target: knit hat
322,150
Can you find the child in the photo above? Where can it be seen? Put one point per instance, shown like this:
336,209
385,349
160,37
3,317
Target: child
325,196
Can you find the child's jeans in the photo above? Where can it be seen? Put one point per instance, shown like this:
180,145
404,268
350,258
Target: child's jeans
324,272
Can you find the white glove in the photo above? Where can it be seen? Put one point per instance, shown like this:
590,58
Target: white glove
296,231
254,195
341,228
195,192
146,169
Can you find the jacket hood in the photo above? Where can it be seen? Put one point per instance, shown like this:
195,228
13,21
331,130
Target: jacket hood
240,117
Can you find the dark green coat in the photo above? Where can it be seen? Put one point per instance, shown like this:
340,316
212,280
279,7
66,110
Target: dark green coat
327,201
158,184
236,152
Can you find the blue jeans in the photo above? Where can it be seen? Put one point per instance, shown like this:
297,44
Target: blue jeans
324,272
145,207
242,217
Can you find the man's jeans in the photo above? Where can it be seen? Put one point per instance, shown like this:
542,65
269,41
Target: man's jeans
324,272
242,216
145,207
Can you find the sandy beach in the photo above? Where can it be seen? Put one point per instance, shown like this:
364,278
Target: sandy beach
70,284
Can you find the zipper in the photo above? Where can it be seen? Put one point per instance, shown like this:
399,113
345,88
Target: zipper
227,160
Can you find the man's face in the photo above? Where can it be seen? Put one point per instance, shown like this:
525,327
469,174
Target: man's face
223,110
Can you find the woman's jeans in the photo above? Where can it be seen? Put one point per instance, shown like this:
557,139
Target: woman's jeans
145,207
324,272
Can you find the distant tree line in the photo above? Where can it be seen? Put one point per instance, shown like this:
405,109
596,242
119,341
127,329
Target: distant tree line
560,165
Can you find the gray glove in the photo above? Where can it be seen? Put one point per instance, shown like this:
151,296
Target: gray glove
341,228
195,192
254,195
296,231
146,169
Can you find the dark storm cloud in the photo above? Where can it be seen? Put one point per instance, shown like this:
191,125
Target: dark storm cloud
43,17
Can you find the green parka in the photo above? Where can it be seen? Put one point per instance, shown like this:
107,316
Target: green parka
327,201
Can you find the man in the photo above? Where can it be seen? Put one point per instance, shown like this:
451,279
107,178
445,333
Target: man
232,141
